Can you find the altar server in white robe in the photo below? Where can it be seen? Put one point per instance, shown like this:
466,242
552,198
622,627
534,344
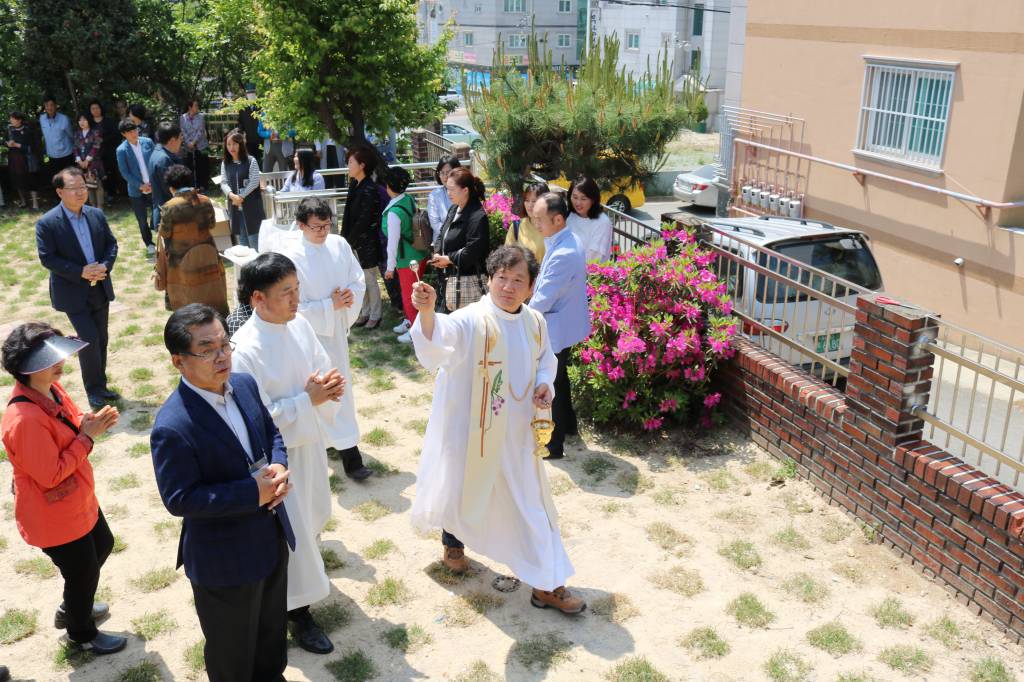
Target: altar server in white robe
479,479
300,387
331,288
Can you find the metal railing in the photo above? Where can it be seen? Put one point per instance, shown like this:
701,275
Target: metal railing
277,179
282,207
438,147
976,404
628,232
801,313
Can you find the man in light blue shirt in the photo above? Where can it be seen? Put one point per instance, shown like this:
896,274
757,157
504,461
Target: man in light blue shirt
560,294
58,137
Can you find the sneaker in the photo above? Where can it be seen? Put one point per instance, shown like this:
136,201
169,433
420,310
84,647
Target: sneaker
559,598
455,560
150,250
403,327
405,338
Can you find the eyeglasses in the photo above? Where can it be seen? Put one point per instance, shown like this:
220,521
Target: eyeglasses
318,228
225,349
75,188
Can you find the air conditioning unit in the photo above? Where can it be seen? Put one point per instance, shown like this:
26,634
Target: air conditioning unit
763,198
796,207
773,203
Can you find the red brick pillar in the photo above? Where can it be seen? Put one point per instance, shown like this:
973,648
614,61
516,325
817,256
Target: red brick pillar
418,142
461,151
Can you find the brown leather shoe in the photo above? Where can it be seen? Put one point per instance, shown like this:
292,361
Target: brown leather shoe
455,560
559,598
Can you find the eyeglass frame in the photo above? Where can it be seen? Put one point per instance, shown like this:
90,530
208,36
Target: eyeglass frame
206,356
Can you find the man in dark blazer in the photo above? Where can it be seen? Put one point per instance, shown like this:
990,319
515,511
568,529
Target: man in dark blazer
220,464
76,245
133,162
165,155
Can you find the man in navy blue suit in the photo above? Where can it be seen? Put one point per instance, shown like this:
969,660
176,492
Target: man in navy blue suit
221,464
76,245
133,161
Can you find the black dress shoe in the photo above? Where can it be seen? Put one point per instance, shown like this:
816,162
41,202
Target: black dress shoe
99,612
97,403
554,454
112,395
360,474
5,674
310,637
103,644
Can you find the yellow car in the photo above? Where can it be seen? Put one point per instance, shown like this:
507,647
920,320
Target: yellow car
622,196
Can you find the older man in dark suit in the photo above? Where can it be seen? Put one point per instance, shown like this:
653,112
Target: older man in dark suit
76,245
221,464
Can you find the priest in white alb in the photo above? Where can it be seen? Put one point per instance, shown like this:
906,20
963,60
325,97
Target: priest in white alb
301,389
331,288
479,479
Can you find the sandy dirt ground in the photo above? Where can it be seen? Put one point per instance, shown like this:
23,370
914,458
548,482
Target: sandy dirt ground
665,535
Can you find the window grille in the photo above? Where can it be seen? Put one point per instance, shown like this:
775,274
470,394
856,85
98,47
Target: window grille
564,40
632,41
518,6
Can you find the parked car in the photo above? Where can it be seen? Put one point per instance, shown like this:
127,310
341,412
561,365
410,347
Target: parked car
451,97
623,195
837,251
697,187
456,133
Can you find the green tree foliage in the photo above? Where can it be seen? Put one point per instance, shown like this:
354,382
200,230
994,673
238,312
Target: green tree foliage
609,125
345,66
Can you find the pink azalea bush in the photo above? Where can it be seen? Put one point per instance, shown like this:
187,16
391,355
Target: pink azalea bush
498,208
661,323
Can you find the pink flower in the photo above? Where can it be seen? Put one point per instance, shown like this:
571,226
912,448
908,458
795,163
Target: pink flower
712,399
668,405
653,423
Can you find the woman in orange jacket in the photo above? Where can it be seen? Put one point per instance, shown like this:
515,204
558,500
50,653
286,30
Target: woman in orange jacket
48,441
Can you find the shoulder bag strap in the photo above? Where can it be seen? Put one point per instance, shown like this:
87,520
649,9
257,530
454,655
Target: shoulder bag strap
24,399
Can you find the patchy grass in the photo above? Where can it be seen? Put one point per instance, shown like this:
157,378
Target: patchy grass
668,497
786,666
719,480
705,643
388,592
872,533
465,610
371,510
946,631
17,624
142,421
990,669
379,549
851,571
742,554
907,659
37,567
444,576
633,482
748,610
138,450
331,616
834,638
477,672
417,426
153,624
560,485
147,671
332,562
68,656
668,538
544,652
407,639
167,529
124,482
796,504
891,614
381,468
760,470
380,380
598,467
140,374
331,525
336,483
154,580
856,677
119,545
194,659
612,508
352,667
836,531
379,437
635,669
615,608
805,588
680,580
792,539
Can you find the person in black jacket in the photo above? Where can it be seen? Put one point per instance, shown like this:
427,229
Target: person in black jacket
360,226
464,241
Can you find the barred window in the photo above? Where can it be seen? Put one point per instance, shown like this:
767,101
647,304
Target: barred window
632,40
517,41
515,6
564,40
905,111
564,6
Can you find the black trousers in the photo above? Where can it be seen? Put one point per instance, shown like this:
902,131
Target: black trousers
246,626
562,412
142,205
351,459
199,163
79,562
91,325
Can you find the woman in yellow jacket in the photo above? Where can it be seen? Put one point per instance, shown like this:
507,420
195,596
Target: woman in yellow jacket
523,232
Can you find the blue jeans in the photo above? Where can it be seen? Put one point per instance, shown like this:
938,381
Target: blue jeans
142,205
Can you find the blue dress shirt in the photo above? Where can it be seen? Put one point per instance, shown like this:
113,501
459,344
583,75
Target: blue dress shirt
560,292
81,227
57,135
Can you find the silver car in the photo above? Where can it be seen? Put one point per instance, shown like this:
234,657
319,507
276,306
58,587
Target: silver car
697,187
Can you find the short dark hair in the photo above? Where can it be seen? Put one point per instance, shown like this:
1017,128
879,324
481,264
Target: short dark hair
126,126
451,161
73,171
20,343
137,110
588,188
555,203
313,207
178,176
398,179
534,187
178,329
508,256
365,156
48,97
167,131
99,104
188,104
87,117
18,115
263,272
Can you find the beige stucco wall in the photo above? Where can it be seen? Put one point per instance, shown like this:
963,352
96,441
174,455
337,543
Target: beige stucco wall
806,58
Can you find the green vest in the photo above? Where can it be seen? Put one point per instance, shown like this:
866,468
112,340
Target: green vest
404,209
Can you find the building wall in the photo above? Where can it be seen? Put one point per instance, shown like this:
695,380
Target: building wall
657,26
806,58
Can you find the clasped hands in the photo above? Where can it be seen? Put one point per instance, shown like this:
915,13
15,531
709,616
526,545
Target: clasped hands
273,485
323,387
94,272
342,298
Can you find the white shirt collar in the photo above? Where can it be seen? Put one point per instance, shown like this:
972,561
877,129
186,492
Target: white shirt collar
214,399
500,312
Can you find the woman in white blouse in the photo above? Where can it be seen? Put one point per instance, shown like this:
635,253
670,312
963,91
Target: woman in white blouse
240,182
588,221
438,202
304,178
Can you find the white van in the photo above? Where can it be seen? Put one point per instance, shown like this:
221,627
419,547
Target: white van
804,251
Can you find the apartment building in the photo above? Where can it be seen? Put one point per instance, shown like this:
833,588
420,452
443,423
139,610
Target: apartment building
904,120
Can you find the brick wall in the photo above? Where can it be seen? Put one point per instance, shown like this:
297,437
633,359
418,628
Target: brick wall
863,450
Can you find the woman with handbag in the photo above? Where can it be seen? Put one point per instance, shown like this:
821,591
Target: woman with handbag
464,242
360,226
89,157
240,182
